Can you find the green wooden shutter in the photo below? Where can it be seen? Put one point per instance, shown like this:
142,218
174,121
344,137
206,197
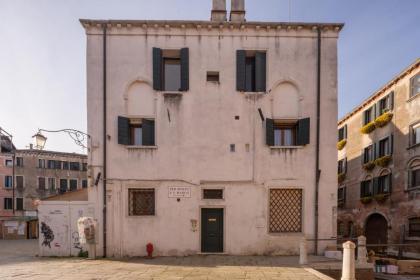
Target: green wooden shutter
260,71
123,130
390,182
391,144
185,66
157,69
391,100
240,70
148,132
345,131
303,128
345,165
269,132
375,186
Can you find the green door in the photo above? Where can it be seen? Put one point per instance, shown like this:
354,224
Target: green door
211,230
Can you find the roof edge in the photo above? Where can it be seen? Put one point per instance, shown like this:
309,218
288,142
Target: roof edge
378,92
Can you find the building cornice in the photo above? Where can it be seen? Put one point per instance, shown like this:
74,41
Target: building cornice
384,88
184,24
47,153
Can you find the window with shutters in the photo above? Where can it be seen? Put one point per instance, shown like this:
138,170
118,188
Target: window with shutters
8,203
366,188
342,133
136,132
384,148
287,133
386,103
341,196
368,115
8,163
414,227
368,154
75,166
41,183
84,183
19,161
414,134
73,184
51,183
41,163
84,166
285,210
414,174
251,71
66,165
341,166
415,85
383,184
8,181
141,202
63,185
19,203
19,182
171,69
284,134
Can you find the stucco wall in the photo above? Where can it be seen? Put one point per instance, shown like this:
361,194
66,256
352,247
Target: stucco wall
193,146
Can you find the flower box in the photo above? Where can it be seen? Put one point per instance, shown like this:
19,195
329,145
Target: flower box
366,200
341,177
341,144
368,128
369,165
383,161
383,119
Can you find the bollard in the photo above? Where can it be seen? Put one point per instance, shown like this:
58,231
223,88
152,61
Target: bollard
361,250
348,272
303,252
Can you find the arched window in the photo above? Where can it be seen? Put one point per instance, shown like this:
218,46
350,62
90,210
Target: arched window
414,174
340,228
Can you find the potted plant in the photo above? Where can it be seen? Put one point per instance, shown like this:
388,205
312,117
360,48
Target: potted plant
366,199
341,144
368,128
383,119
369,165
381,197
383,161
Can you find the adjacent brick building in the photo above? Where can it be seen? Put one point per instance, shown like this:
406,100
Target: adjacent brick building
38,174
379,164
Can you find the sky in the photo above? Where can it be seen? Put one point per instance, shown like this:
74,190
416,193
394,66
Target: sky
43,51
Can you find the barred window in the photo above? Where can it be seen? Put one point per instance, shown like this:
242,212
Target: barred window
285,210
213,194
141,202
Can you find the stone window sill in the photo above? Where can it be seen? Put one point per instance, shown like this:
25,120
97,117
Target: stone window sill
286,147
413,146
141,147
413,189
172,93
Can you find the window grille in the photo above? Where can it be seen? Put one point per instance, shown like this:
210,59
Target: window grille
285,210
141,202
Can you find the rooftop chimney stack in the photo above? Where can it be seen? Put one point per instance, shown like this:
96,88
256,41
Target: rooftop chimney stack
237,11
218,12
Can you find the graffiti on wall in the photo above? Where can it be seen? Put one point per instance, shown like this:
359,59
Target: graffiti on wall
76,240
48,235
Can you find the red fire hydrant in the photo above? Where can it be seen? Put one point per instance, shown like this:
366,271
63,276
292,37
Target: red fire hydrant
149,249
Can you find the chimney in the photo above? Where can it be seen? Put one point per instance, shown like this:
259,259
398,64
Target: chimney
237,11
218,12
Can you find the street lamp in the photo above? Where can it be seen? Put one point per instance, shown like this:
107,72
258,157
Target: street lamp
78,137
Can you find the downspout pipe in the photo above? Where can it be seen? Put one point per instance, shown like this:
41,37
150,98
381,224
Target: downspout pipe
104,138
318,123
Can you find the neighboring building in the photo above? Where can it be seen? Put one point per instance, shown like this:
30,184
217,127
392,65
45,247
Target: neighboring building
379,164
38,174
211,134
6,179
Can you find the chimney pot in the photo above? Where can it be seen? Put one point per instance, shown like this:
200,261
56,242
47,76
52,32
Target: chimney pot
218,12
237,11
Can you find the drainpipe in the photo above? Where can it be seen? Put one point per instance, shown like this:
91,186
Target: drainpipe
318,116
13,180
104,135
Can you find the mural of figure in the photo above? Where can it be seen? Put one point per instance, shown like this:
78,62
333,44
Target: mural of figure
48,235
